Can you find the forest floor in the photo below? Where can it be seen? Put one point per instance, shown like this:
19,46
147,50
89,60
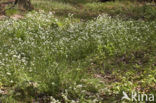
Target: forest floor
88,52
90,10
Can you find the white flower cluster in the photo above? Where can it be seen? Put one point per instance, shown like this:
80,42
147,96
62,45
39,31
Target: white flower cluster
36,45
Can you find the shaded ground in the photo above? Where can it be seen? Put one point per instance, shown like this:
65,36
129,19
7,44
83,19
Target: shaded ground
3,5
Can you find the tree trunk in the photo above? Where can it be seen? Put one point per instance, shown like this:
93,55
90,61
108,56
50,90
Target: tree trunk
24,4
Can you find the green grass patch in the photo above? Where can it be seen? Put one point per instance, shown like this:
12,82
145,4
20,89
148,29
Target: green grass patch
90,10
45,59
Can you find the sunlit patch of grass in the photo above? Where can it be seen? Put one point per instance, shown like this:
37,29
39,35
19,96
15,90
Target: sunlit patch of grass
52,5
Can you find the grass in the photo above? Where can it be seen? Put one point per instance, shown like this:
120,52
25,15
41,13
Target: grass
46,60
90,10
67,52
